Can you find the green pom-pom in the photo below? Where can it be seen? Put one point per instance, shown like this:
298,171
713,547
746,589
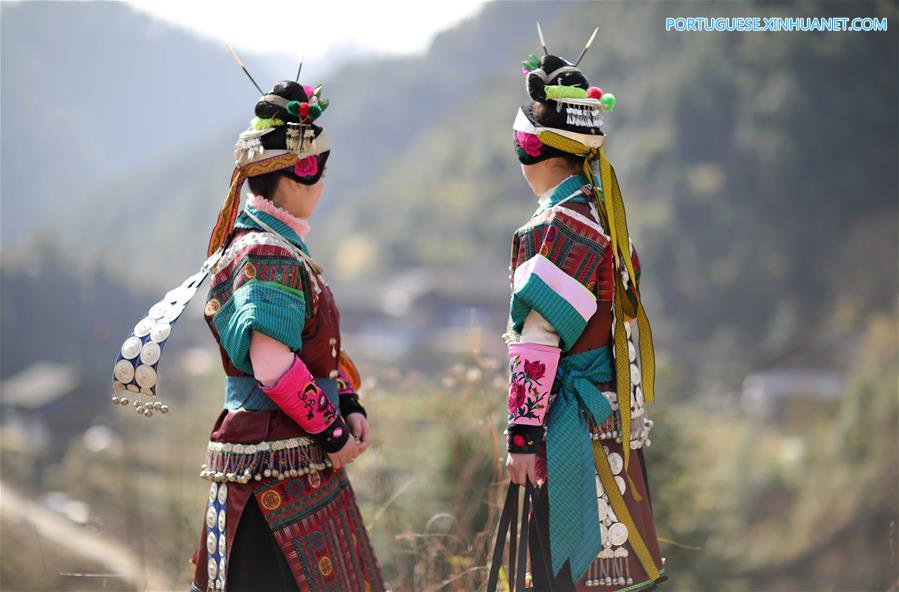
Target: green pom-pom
564,92
323,103
315,111
607,100
532,63
293,108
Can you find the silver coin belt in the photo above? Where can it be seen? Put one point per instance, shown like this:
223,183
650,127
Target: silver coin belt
239,463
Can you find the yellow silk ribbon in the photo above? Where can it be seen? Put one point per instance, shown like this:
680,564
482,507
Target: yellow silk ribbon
614,218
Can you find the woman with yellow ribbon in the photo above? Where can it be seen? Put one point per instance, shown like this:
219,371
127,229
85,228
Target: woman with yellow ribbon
579,380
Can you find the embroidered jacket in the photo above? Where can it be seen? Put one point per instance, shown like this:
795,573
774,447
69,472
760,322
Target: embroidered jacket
260,285
561,264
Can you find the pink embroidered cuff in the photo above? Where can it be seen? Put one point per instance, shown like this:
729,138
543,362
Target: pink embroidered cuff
532,369
303,401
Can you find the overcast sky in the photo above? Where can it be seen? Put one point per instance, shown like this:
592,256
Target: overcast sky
292,26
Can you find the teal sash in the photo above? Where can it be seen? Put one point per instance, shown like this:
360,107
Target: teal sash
573,511
243,392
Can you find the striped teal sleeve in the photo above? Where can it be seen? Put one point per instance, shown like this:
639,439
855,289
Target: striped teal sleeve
271,308
535,294
553,264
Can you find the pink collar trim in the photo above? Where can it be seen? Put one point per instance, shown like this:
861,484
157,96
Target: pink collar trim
297,224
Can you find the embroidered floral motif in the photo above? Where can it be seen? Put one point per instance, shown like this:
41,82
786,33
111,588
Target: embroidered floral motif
526,393
534,370
307,167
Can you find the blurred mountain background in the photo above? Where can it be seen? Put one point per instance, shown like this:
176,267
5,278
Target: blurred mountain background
760,175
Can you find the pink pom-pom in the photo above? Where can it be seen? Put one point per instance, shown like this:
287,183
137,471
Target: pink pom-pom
524,70
594,92
309,90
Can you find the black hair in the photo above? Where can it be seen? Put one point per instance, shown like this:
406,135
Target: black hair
264,185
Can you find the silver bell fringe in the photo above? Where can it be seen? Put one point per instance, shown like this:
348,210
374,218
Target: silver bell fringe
610,568
226,462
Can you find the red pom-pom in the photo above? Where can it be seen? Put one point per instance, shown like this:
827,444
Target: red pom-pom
594,92
304,108
518,440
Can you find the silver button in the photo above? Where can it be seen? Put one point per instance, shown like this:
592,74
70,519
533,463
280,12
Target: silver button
635,374
599,488
142,328
145,376
185,295
150,353
158,310
604,536
603,509
160,331
131,348
223,493
213,491
173,313
631,351
222,543
211,541
124,371
210,517
618,534
622,486
179,294
616,463
221,520
212,568
638,394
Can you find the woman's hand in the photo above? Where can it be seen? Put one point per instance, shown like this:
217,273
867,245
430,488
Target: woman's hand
359,429
522,466
361,438
345,455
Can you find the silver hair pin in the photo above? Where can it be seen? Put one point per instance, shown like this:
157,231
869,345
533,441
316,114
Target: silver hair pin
589,43
300,68
542,41
244,68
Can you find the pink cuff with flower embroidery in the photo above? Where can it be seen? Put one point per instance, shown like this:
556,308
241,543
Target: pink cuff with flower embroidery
532,369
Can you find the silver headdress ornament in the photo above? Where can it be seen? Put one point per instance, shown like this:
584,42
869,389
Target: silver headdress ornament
301,137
